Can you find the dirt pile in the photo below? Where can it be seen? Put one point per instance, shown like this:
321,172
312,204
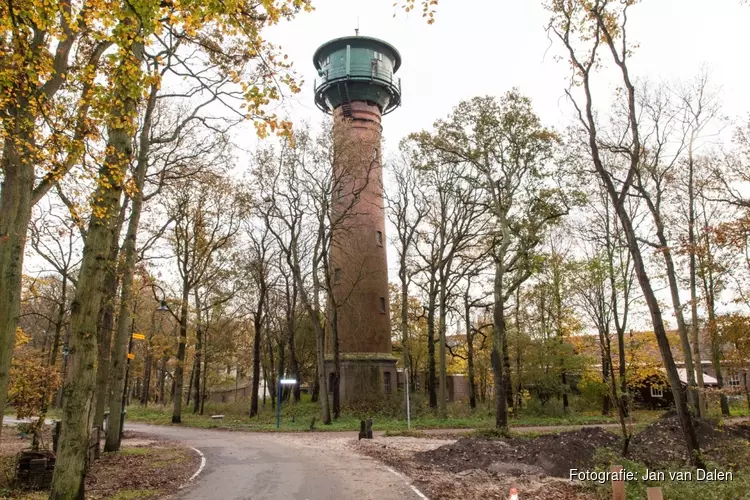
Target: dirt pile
547,455
662,442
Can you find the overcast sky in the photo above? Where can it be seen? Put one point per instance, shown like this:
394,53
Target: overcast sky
480,47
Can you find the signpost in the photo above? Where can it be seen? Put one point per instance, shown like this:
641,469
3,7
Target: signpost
283,381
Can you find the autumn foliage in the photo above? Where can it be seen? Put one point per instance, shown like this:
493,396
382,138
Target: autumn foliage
32,382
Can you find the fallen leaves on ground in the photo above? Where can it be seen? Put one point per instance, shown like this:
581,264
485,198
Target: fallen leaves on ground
144,468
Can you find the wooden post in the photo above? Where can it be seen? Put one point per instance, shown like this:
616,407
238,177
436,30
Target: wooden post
618,487
369,428
654,493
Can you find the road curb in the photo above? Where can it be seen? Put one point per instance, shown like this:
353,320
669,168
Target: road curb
200,469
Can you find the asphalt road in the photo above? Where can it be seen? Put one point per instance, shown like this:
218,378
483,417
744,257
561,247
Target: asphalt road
260,466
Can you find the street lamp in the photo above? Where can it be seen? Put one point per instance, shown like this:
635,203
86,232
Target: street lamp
283,381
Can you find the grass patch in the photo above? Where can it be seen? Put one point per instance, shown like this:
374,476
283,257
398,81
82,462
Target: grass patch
406,433
692,489
135,450
390,418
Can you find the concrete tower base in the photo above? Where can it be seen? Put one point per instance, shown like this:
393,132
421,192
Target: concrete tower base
364,377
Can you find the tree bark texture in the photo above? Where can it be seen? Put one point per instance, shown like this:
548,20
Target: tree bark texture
15,216
68,478
127,295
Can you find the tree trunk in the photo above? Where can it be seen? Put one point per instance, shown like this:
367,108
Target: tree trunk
68,478
63,371
336,360
691,439
146,379
256,366
498,340
405,322
716,362
557,298
291,299
431,350
442,317
294,367
623,378
506,373
605,381
191,381
280,370
322,382
314,397
679,316
162,379
469,351
621,402
15,216
125,323
179,369
196,375
59,322
265,386
709,291
619,326
272,379
204,394
106,325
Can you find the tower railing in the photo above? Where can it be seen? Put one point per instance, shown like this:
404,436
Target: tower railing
358,73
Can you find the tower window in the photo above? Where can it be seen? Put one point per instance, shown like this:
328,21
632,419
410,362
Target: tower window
337,276
387,382
377,56
382,305
379,238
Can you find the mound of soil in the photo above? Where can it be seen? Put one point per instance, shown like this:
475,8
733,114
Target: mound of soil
551,455
662,442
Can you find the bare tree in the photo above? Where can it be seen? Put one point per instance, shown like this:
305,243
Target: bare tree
262,257
586,30
407,208
207,217
452,227
283,207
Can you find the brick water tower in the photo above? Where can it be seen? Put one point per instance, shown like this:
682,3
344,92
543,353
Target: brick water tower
357,86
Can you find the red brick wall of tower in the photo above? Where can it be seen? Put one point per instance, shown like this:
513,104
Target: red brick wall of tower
358,254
